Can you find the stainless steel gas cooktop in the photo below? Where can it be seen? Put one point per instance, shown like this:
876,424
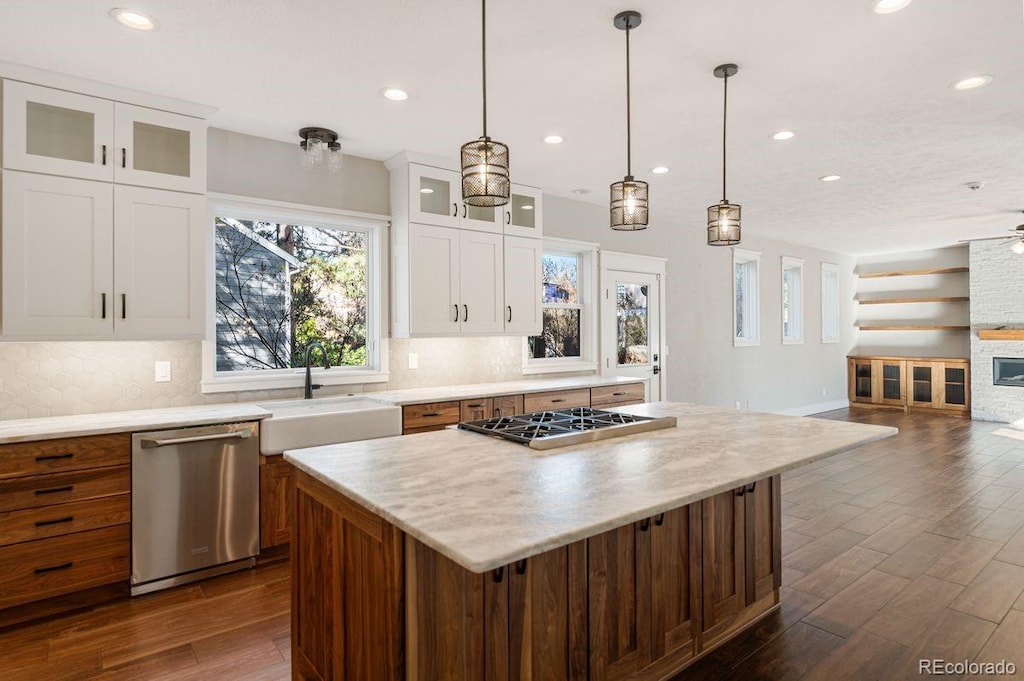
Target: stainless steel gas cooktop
563,427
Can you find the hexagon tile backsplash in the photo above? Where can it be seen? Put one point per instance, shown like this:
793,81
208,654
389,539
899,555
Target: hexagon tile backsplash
60,378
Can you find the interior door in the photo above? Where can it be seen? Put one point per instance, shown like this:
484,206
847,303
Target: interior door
631,327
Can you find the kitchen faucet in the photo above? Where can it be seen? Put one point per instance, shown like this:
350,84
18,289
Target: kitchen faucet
310,386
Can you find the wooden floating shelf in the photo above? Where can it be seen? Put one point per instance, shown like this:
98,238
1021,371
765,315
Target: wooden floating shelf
914,327
913,273
893,301
1001,334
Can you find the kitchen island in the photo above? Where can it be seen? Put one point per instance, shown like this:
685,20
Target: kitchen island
455,556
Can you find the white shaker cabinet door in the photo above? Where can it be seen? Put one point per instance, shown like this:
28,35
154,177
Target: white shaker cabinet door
481,301
57,257
433,281
160,247
523,285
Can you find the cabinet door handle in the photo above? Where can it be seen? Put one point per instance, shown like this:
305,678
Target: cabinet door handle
509,314
497,412
659,519
53,568
124,157
455,210
499,574
54,457
456,312
508,218
54,490
104,160
750,489
463,210
645,524
55,521
124,306
103,306
521,567
465,313
741,491
432,414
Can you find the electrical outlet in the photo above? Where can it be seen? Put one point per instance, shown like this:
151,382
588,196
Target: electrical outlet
739,405
162,372
824,392
414,360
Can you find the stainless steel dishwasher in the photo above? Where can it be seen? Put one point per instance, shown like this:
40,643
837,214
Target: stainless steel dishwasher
195,504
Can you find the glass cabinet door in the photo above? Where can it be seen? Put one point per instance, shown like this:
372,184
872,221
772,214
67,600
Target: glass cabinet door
57,133
523,214
922,384
159,149
435,196
862,381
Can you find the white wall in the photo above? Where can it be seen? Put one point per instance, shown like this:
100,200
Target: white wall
702,364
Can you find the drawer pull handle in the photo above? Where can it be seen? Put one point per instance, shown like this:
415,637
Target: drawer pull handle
432,415
521,567
618,394
560,399
659,519
499,574
474,406
54,457
53,568
645,524
55,521
54,490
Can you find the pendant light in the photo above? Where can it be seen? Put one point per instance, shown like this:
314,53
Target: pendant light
485,179
628,197
724,217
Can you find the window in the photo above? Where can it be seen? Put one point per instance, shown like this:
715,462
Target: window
792,301
284,278
746,310
566,342
829,303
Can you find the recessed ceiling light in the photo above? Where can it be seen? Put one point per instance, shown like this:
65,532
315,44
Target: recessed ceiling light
659,170
830,178
890,6
972,82
581,190
426,190
395,94
553,139
133,19
527,207
784,135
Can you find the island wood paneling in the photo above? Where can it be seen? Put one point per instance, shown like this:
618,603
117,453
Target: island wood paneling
723,545
675,586
277,500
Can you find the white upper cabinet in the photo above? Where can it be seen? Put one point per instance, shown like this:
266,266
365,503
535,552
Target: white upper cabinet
435,198
523,286
56,132
481,282
432,299
524,213
64,133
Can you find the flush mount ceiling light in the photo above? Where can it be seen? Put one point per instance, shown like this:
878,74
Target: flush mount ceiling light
830,178
485,177
317,143
394,94
724,217
659,170
972,82
132,18
628,197
581,190
890,6
553,139
783,135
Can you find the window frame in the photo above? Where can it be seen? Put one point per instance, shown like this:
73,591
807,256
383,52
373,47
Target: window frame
742,256
832,269
375,226
790,263
587,253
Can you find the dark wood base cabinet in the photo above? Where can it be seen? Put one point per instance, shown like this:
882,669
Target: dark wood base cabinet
637,602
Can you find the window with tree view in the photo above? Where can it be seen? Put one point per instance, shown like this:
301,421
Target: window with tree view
281,286
561,336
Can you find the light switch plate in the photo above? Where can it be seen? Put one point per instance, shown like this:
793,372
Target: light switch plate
162,372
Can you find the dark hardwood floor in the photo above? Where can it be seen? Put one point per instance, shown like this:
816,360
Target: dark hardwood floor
906,549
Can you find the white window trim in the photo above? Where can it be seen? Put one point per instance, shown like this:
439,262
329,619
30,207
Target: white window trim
587,361
793,263
376,312
739,256
833,268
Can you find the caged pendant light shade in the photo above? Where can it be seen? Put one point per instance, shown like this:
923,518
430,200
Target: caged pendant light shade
485,175
629,198
724,217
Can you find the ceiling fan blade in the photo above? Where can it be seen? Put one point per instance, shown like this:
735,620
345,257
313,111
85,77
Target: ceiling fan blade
987,238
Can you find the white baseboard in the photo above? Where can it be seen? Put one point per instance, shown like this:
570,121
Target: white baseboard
814,408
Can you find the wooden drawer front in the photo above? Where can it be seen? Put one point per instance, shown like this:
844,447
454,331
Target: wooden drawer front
67,454
60,488
507,405
612,395
477,410
559,399
52,567
433,414
53,521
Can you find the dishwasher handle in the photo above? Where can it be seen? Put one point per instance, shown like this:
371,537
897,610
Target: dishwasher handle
234,435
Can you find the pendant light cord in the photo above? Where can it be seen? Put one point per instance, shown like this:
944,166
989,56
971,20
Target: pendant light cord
483,56
629,126
725,110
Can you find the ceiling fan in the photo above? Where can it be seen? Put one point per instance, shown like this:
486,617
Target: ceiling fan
1016,236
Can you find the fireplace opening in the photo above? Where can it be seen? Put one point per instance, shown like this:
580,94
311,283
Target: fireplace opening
1008,371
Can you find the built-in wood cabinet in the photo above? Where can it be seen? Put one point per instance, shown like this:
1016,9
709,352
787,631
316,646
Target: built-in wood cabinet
93,260
75,135
65,509
507,405
940,385
277,499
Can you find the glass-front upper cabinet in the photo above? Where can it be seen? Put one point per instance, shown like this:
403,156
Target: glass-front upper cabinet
159,149
435,198
57,132
522,215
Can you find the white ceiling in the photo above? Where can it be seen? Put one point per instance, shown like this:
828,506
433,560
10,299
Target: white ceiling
868,95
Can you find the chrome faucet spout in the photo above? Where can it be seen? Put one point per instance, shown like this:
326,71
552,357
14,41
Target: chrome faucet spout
310,386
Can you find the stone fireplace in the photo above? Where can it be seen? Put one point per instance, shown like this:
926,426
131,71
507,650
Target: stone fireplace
1008,371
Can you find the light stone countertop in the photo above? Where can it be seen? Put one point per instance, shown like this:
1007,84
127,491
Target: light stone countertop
471,390
52,427
485,502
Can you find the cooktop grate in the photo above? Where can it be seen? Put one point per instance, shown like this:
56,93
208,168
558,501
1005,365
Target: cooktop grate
563,427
